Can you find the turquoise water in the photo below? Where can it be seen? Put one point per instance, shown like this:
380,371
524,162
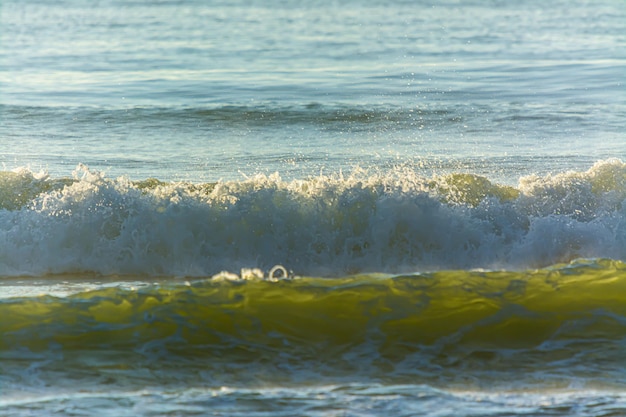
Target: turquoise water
332,208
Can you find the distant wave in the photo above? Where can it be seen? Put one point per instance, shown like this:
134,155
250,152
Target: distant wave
325,116
395,221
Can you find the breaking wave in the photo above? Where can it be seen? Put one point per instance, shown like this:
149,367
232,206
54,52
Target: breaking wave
389,222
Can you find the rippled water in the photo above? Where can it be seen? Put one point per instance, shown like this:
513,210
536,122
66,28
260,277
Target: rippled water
202,91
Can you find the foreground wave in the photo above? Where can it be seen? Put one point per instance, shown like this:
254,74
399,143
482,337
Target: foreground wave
393,222
546,327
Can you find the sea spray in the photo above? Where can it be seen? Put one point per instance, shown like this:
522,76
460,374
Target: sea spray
393,222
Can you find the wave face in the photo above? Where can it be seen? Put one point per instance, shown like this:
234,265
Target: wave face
444,328
389,222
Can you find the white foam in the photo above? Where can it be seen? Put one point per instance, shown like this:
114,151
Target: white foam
386,222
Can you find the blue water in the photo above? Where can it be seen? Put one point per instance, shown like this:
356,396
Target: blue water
153,142
200,91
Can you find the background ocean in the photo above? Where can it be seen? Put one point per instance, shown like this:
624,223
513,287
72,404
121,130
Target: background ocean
326,208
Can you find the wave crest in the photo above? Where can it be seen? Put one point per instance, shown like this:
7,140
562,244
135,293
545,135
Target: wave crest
394,221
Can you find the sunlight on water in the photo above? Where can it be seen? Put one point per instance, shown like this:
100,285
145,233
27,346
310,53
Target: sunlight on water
361,208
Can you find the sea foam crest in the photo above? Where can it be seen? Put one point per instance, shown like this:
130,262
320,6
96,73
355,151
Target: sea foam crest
395,221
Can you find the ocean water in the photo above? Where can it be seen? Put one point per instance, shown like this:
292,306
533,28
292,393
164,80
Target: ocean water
330,208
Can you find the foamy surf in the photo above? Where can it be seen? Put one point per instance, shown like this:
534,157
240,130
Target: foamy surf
389,222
